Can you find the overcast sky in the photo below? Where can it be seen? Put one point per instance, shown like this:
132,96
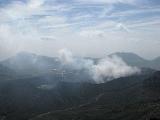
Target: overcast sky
92,28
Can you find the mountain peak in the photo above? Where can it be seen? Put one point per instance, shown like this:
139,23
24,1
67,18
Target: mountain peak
25,54
131,58
126,54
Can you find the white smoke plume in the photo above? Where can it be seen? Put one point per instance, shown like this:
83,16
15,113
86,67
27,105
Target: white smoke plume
66,57
111,68
105,69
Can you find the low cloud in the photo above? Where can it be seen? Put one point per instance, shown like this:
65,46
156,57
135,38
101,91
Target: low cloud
104,69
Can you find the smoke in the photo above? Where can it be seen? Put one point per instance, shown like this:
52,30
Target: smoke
111,68
67,59
66,56
103,70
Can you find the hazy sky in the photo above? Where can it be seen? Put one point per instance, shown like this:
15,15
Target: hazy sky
86,27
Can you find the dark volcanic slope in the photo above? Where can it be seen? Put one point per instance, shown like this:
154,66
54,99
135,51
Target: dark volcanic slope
122,99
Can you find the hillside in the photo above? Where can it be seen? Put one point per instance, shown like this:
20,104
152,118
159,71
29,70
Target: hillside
25,98
124,101
6,73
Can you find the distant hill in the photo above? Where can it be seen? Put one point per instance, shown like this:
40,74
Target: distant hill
131,59
28,63
135,60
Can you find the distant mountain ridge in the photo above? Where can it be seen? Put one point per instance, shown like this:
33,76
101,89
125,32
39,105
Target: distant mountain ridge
135,60
31,63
